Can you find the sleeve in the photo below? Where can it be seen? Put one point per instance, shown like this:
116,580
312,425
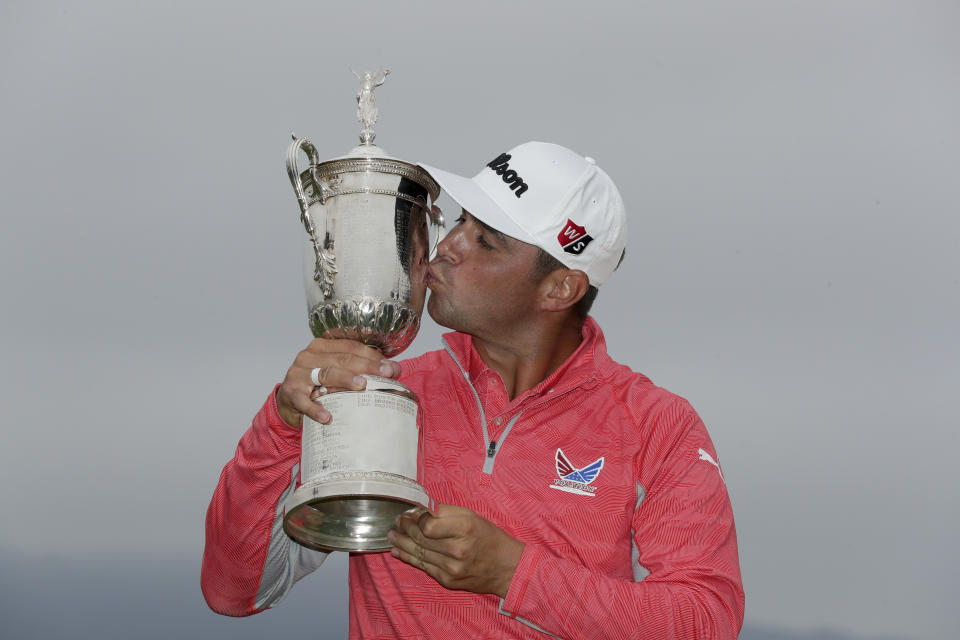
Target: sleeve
249,563
687,572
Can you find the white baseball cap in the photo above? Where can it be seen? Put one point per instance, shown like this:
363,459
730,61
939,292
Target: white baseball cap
548,196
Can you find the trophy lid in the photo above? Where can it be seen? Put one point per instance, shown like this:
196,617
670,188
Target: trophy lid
367,157
367,151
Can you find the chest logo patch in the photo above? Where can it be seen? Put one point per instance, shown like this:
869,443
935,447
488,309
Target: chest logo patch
574,480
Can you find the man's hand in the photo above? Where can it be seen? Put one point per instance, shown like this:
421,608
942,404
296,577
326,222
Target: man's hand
340,363
457,548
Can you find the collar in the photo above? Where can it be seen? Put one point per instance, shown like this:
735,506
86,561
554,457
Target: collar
586,363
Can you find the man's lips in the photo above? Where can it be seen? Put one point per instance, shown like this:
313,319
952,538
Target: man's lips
431,278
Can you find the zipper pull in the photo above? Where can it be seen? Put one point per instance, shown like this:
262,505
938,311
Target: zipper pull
492,449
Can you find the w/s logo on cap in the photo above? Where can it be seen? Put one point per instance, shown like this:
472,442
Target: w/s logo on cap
573,238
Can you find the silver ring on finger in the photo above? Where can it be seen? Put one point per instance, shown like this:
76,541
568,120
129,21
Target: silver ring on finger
315,377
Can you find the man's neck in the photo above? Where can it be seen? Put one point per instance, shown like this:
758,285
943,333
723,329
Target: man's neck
525,360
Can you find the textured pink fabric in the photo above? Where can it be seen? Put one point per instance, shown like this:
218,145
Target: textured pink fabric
575,578
241,512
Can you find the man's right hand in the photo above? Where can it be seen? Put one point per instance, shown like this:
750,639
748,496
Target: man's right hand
341,362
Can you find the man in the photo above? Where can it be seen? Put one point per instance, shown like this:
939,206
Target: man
576,499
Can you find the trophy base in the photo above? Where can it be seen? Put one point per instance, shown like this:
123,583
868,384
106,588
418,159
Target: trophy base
352,512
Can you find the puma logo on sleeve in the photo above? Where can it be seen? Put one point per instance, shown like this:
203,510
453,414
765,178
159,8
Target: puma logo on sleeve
706,456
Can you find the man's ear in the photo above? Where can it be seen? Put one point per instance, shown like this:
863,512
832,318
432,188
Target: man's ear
563,288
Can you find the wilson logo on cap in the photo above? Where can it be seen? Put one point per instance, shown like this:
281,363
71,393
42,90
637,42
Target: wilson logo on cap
574,238
502,169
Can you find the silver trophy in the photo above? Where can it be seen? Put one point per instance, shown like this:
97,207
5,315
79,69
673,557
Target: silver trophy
366,252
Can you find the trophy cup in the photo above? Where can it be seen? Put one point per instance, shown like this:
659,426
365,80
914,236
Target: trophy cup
365,258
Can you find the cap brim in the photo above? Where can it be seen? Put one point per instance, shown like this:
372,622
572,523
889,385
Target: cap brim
469,195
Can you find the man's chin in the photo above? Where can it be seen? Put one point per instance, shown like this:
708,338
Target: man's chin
436,314
431,307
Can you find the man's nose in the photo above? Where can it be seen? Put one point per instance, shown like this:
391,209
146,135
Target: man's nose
447,248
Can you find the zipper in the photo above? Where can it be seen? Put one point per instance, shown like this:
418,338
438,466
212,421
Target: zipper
492,446
491,452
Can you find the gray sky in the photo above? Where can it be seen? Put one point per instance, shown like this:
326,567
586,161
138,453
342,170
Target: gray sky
791,174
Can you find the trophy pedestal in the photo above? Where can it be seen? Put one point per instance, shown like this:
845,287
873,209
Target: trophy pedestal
358,472
351,513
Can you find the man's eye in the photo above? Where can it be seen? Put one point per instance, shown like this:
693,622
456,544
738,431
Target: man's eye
483,242
459,220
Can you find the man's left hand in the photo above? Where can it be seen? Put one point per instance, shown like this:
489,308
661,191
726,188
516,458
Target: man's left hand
457,548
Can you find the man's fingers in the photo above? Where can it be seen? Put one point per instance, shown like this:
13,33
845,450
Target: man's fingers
415,560
433,527
459,549
390,369
336,379
328,366
342,371
411,537
355,357
303,403
408,525
424,551
450,510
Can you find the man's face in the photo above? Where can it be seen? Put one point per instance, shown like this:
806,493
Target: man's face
481,281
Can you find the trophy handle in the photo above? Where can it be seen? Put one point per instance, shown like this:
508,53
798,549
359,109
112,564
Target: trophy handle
325,267
436,219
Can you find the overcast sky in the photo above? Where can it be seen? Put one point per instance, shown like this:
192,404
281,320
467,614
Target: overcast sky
792,175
